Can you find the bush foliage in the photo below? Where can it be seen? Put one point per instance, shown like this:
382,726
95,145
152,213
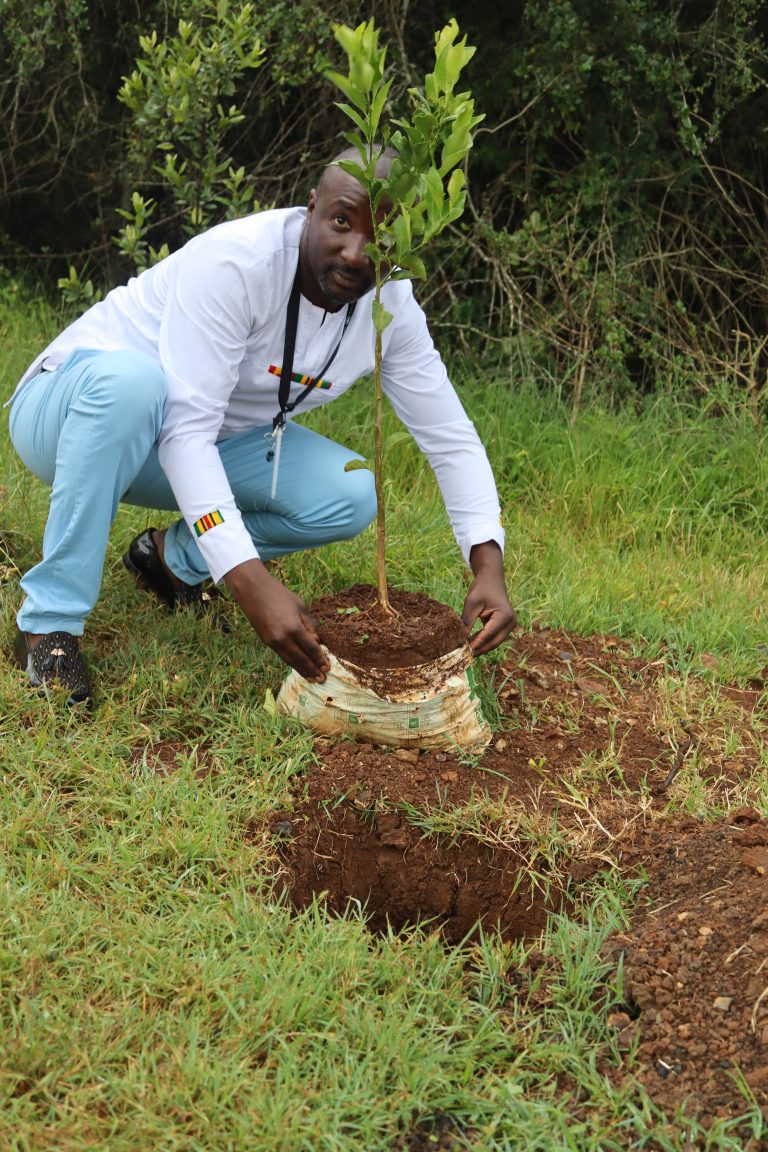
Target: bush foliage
613,237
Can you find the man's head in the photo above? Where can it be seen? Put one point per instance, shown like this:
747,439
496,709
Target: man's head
334,267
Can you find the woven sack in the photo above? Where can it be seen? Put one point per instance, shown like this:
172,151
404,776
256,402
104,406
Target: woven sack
432,705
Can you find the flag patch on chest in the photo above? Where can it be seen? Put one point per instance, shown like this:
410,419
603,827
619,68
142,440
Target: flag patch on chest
210,520
304,381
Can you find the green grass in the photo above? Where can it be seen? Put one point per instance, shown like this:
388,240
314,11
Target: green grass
155,993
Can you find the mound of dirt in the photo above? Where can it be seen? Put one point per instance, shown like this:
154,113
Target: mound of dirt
354,626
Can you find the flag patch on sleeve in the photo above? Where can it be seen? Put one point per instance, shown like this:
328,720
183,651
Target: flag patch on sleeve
303,379
210,520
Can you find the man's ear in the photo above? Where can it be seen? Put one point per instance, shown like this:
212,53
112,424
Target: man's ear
312,202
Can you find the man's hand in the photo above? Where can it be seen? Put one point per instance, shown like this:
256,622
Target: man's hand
487,599
279,617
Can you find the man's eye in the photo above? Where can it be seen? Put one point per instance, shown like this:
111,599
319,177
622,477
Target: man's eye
341,220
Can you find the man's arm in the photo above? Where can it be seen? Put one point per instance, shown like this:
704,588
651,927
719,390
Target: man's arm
487,599
279,617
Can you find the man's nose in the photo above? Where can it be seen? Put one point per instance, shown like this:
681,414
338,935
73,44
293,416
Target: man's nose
353,253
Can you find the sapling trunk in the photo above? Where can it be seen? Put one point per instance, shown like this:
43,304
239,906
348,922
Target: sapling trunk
378,473
414,195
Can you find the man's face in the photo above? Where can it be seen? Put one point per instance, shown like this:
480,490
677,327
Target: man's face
334,267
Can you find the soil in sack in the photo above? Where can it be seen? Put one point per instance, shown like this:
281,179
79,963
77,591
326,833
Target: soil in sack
355,628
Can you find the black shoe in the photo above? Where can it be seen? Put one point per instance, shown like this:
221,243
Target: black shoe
143,562
55,662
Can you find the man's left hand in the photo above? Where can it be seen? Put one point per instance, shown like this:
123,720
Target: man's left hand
487,599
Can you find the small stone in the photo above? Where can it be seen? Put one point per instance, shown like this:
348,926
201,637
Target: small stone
440,757
683,916
538,677
566,657
705,930
709,661
722,1003
449,776
745,815
283,830
410,755
756,859
758,1078
618,1020
593,687
500,745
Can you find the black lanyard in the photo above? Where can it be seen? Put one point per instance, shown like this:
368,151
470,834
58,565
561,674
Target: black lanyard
286,372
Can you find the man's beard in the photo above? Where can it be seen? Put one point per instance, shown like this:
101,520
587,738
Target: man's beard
356,283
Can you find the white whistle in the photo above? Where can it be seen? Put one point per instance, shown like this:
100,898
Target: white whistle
277,440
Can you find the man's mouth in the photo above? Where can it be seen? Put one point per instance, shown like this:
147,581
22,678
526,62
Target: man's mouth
349,281
348,277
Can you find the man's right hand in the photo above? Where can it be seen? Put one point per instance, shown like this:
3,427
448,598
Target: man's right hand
280,618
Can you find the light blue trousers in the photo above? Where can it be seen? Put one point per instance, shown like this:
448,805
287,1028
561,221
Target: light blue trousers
89,429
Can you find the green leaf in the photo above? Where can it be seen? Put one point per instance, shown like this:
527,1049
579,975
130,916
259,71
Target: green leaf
381,318
356,465
402,231
358,118
350,90
374,254
414,266
456,183
433,193
377,108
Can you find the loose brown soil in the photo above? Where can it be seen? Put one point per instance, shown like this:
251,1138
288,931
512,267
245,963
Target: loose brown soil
594,749
354,626
696,963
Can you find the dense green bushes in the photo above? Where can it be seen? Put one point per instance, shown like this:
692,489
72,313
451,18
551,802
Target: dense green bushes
614,236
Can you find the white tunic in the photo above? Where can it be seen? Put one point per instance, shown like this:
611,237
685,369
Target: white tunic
213,314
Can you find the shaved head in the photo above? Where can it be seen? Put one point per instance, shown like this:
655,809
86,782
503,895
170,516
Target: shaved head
383,162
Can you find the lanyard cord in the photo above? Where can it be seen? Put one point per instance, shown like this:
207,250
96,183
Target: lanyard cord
286,372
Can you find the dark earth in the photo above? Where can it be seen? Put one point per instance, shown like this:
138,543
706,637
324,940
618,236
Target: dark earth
600,761
354,626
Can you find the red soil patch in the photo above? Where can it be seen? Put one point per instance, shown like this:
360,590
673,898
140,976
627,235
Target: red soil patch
696,965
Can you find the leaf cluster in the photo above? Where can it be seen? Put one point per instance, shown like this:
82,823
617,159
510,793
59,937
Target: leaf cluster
424,189
180,96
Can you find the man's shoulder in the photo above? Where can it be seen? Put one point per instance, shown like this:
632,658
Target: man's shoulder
253,237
